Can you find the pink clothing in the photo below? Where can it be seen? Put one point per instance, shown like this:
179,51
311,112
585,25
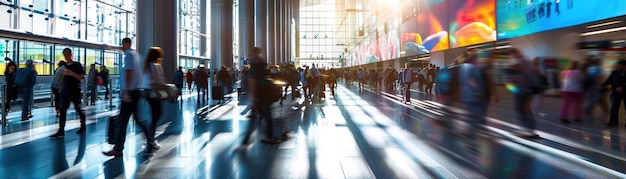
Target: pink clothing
572,101
572,81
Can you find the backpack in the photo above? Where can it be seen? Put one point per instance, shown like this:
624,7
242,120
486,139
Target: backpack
22,79
447,81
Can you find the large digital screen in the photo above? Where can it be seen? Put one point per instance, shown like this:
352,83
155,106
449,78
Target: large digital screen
472,21
388,45
409,39
519,18
428,31
433,25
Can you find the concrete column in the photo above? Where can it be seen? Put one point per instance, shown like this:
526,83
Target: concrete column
261,26
221,33
157,25
289,30
297,29
204,51
271,32
280,21
246,29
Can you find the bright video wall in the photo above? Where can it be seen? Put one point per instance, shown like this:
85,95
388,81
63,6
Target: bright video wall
432,28
519,18
472,22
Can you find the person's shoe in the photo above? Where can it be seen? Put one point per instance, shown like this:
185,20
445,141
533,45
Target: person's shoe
148,153
57,135
30,116
113,153
81,130
610,124
564,120
155,146
24,119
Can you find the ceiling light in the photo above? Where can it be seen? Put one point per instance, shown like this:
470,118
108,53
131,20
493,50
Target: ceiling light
603,31
603,24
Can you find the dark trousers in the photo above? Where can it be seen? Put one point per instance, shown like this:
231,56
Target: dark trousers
407,92
616,102
155,112
264,109
65,104
522,108
57,98
92,93
27,96
106,91
205,93
126,110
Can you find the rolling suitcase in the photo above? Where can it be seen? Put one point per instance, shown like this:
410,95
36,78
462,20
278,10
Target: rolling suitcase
217,92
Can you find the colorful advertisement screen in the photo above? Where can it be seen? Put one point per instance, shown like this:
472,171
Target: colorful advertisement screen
433,25
472,22
409,39
519,18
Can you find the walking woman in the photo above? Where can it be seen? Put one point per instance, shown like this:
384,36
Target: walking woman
572,91
153,74
9,75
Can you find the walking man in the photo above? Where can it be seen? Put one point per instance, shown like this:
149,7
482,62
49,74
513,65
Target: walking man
70,92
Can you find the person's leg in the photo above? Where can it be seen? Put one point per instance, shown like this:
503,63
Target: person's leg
616,100
155,111
528,113
26,97
81,114
577,104
106,91
565,105
591,99
65,103
265,112
126,110
92,94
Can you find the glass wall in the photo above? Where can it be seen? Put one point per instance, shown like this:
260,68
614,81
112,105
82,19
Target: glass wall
105,21
320,39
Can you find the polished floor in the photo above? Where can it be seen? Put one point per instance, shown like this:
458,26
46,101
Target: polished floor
355,134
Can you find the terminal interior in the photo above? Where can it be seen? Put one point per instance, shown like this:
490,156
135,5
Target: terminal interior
355,130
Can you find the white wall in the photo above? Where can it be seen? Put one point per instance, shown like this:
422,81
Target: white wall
559,43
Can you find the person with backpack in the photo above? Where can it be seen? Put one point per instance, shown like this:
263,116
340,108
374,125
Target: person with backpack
25,81
179,79
259,91
524,77
104,77
473,80
405,79
9,74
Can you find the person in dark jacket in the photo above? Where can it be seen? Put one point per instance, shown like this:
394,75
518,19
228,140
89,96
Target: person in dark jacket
26,79
104,75
9,76
617,80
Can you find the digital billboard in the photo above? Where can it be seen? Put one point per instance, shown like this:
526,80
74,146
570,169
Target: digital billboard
472,22
433,25
428,31
409,39
519,18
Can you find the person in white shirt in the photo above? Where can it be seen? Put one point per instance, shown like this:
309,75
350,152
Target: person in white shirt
572,91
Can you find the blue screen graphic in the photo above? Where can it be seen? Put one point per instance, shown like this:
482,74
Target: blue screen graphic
522,17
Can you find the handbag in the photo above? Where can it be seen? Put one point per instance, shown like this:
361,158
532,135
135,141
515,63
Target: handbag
163,91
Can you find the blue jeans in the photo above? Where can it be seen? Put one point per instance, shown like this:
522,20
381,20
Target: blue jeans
27,96
522,108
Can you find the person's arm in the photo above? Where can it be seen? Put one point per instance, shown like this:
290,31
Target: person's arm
71,73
